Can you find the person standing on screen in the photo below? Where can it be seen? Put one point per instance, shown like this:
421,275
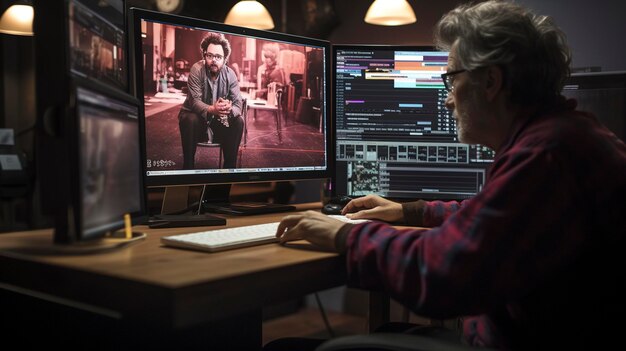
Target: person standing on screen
269,72
213,101
535,259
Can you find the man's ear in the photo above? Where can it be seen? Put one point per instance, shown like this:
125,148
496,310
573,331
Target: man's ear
495,81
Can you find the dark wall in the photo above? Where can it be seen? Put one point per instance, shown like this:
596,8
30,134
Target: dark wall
339,21
18,87
354,30
595,30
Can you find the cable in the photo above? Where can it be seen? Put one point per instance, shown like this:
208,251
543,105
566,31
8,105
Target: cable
324,317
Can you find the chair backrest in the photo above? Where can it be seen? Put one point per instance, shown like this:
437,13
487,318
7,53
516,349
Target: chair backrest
279,98
272,88
244,108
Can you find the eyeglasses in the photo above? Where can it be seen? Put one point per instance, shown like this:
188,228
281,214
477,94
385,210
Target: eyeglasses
214,57
448,79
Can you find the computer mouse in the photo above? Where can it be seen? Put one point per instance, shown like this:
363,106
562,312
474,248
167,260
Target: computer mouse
332,209
341,199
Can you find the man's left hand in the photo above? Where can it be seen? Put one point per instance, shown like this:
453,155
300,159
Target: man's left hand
223,106
312,226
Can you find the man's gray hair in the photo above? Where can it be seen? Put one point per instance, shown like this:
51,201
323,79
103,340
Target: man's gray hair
531,49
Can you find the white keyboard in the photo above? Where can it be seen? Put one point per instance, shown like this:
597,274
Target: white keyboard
231,238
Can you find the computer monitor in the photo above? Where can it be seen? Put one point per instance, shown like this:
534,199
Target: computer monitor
82,39
97,41
99,157
281,105
395,138
603,94
94,157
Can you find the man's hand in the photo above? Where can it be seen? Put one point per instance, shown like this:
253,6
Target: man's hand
312,226
373,207
222,107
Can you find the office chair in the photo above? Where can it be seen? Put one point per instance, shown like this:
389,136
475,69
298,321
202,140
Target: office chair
276,112
432,339
211,144
279,115
244,115
392,342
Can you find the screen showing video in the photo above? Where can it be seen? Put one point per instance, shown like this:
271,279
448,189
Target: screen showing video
226,103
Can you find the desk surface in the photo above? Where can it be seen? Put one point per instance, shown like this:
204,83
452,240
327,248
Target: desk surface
166,287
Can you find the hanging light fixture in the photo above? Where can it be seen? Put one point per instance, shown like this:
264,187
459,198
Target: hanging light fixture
18,19
390,13
251,14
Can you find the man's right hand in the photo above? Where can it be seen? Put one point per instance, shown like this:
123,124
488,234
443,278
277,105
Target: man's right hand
221,107
374,207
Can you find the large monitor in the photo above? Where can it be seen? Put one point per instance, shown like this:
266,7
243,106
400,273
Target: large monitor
395,137
603,94
277,125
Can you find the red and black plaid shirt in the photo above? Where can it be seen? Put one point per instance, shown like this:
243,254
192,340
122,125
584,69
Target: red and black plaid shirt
534,255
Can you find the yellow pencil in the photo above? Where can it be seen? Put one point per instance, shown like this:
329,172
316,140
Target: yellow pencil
127,226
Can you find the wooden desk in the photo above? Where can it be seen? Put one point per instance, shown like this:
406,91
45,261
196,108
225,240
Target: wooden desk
166,295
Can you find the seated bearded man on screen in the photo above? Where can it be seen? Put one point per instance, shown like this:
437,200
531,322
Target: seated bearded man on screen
213,102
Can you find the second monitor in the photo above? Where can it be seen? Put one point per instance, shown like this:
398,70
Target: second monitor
395,137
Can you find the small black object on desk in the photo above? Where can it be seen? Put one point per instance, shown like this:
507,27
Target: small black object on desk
335,205
332,209
341,200
175,221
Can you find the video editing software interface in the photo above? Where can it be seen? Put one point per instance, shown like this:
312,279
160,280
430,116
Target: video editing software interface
395,137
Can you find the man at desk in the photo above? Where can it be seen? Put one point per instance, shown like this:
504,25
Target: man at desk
213,101
269,72
533,261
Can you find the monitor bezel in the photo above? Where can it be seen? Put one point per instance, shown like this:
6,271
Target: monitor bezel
138,14
69,221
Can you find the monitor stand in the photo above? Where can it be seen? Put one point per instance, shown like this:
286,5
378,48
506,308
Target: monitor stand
216,199
176,212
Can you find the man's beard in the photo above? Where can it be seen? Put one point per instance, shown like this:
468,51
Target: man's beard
214,69
470,122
